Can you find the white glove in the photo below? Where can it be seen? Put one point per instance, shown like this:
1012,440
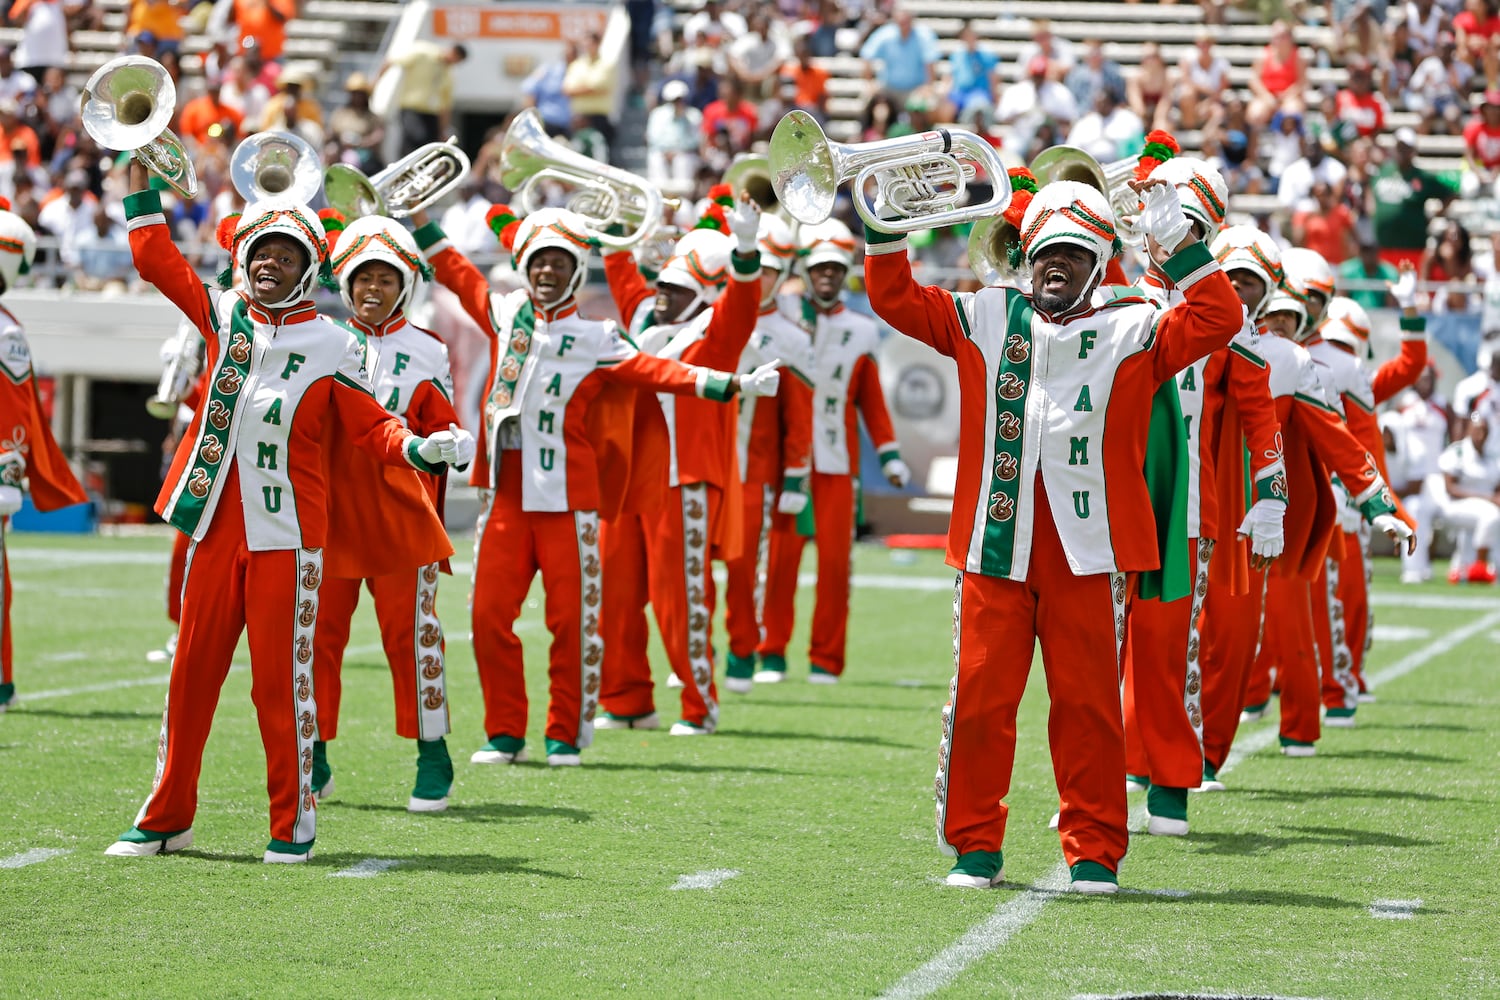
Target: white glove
10,500
791,503
1404,289
1162,217
764,381
897,471
744,225
1396,528
1349,518
454,446
1263,526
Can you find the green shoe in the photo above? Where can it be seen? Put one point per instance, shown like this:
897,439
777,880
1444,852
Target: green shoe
1092,877
138,843
7,696
1297,748
820,675
1339,718
1137,782
978,869
284,852
772,669
560,754
1166,810
322,774
500,750
739,673
434,777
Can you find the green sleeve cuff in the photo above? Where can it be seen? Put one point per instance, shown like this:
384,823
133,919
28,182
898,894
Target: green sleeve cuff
793,484
1376,505
889,455
747,266
1413,324
716,386
429,234
139,203
875,236
1272,487
417,461
1182,264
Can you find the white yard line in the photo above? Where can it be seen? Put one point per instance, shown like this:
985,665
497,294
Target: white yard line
706,880
131,682
1394,909
1018,912
79,557
368,868
33,857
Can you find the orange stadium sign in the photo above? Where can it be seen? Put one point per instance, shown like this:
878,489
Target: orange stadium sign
515,23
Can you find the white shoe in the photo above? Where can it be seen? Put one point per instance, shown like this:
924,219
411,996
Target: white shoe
167,651
673,681
1131,785
1299,750
130,849
497,757
1255,716
688,729
7,703
1366,697
564,760
1210,786
739,685
1095,888
769,676
1052,823
277,858
326,792
648,721
1161,826
974,881
822,678
416,805
1338,722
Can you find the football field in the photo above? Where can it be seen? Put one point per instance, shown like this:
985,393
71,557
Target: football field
791,854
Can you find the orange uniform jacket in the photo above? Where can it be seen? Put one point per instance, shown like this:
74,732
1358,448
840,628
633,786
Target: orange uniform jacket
23,425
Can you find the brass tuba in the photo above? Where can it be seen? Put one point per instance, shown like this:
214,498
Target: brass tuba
922,178
989,251
602,194
752,173
182,360
126,105
409,185
275,165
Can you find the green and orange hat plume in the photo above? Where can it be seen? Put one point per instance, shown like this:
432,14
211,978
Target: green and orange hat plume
1023,187
333,224
503,222
1161,146
716,216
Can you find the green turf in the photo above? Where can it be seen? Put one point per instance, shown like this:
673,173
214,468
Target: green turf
541,882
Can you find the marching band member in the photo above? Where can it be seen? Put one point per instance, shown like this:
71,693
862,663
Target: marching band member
251,483
846,386
1050,515
665,555
557,432
29,457
1226,403
377,265
775,451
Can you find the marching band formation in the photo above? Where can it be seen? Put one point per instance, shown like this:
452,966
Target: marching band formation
1169,485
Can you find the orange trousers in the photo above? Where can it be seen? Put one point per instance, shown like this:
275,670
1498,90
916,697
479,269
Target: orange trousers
511,546
833,517
1231,630
406,607
1332,629
175,570
1289,647
1080,621
5,653
745,590
662,558
227,590
1164,685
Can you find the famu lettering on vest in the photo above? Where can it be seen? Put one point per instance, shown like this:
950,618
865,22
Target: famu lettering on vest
273,415
293,363
554,387
1086,341
1078,451
1187,424
265,455
838,370
1081,504
544,422
831,404
395,400
1189,382
402,360
567,342
272,496
1085,403
548,458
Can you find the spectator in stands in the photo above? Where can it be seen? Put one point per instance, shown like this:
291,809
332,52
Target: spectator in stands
589,84
1282,145
879,116
357,132
69,215
17,135
244,93
1295,186
823,38
1398,197
1229,152
265,21
1401,56
1358,105
208,113
643,15
295,109
44,33
1477,27
674,134
1094,75
1057,51
1110,131
1363,278
463,221
1278,80
1437,87
55,105
425,97
900,55
1326,226
1028,104
1424,22
1482,149
1449,259
811,80
701,80
972,74
1149,88
103,254
731,115
544,91
757,55
159,20
15,84
712,27
1202,77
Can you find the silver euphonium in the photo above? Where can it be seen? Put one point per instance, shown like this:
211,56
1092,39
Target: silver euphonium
921,178
182,361
602,194
407,186
1069,163
275,165
126,105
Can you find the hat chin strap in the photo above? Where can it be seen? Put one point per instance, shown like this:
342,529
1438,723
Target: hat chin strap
302,292
580,273
770,296
1095,276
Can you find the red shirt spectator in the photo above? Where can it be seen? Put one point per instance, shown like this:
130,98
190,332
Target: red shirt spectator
265,21
1328,229
202,113
1482,133
730,112
1359,105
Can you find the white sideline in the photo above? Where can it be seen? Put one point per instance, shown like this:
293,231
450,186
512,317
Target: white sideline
1019,911
34,856
706,880
368,868
1394,909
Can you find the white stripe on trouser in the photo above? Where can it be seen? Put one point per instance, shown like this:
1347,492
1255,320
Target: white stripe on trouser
1117,594
590,645
762,556
5,618
1343,662
431,673
1192,688
166,707
1364,548
945,745
486,501
694,563
309,579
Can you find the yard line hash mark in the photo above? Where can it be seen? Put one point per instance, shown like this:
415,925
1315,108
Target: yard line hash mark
35,856
368,868
706,880
1394,909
